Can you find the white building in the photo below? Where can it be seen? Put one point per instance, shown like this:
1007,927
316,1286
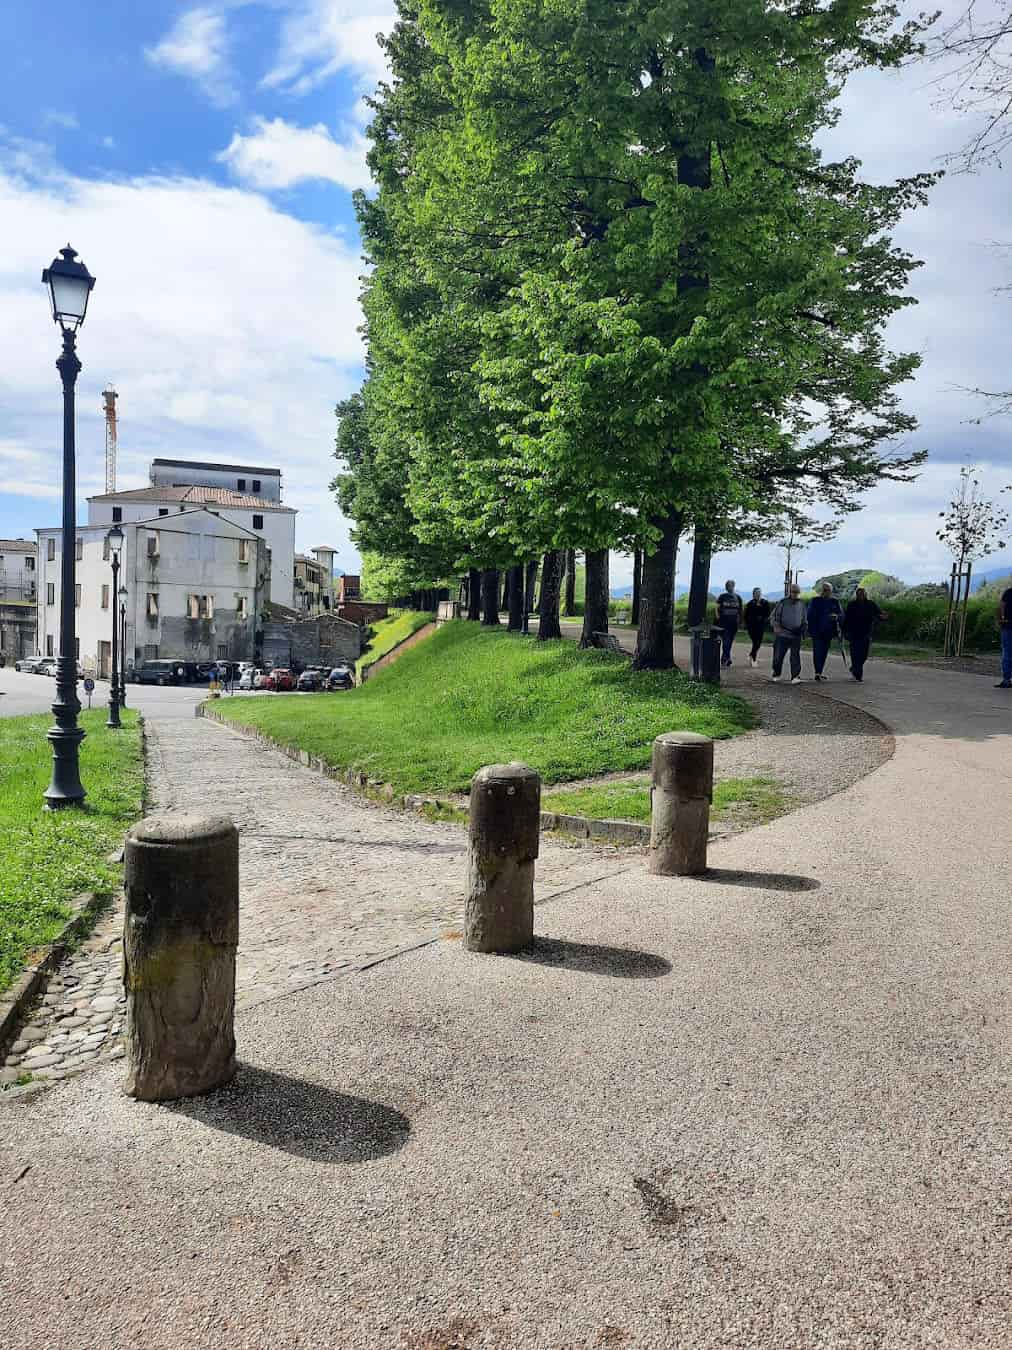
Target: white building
196,584
246,496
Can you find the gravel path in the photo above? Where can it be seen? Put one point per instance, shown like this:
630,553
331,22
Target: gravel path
764,1108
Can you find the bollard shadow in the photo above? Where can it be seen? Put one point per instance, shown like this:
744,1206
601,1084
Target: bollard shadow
760,881
304,1119
625,963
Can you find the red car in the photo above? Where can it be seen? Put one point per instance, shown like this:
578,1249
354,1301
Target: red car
281,680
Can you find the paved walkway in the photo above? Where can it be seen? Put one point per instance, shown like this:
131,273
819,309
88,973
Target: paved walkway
330,882
764,1108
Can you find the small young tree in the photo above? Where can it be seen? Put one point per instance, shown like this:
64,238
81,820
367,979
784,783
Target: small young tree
971,529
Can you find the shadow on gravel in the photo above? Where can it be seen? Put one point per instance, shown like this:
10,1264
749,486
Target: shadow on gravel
304,1119
760,881
623,962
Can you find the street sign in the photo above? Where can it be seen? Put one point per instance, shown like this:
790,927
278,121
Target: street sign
89,689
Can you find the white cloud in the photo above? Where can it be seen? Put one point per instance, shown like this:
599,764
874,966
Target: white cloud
228,327
279,155
321,37
66,120
197,46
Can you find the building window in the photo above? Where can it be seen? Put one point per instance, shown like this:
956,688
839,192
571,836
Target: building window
222,651
50,550
29,564
241,484
49,644
77,649
105,549
151,651
77,596
163,510
152,543
258,522
152,610
256,485
105,596
117,514
50,592
78,549
244,550
200,606
240,607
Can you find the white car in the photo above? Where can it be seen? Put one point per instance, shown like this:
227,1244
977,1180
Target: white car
250,678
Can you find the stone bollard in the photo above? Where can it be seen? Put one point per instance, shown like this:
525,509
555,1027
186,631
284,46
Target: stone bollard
504,833
180,935
680,803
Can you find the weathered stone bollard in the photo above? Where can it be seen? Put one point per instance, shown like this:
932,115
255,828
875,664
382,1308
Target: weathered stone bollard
680,803
180,935
505,830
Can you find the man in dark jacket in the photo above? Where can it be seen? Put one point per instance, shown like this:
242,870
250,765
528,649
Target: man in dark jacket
757,616
1005,625
789,622
858,625
824,618
728,609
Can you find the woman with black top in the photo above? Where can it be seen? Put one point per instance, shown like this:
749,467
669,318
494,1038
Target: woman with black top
757,616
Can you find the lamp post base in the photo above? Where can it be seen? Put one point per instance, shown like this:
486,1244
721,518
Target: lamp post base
65,788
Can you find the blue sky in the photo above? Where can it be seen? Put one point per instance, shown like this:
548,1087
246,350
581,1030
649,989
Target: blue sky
201,159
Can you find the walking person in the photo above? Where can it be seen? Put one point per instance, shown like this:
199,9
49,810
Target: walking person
1005,624
859,622
728,609
789,624
757,616
824,619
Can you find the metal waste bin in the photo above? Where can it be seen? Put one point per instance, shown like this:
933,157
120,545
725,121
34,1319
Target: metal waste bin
706,655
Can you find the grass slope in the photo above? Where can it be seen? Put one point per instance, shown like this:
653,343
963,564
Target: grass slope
470,696
762,798
398,625
48,858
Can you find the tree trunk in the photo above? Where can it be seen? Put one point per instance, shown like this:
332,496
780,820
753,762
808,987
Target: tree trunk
699,585
474,595
569,607
551,587
505,599
530,585
515,598
490,597
637,582
595,602
655,642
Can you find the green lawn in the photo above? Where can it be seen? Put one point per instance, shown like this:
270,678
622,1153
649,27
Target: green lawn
470,696
397,626
761,797
48,858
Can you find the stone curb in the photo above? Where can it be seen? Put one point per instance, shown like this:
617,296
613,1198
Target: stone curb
34,979
582,827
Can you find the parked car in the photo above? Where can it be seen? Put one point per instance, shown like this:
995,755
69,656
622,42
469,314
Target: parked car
282,680
260,679
160,672
341,677
249,678
29,665
310,679
47,666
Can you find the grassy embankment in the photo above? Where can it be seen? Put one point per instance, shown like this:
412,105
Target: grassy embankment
761,798
470,696
47,858
398,625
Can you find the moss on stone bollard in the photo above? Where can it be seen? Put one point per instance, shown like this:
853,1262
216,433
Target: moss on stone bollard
181,930
680,803
504,833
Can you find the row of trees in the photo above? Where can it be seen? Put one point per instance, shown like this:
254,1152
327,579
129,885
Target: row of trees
616,295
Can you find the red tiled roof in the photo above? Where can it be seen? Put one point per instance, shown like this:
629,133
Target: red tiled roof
195,496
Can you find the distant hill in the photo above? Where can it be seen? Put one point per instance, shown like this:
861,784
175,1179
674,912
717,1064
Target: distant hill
999,573
625,592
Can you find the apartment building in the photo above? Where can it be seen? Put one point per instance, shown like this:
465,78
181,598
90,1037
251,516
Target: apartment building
18,595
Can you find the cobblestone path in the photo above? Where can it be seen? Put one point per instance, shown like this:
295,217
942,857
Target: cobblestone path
328,882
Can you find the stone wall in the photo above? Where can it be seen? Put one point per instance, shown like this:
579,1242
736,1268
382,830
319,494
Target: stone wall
17,631
324,641
362,612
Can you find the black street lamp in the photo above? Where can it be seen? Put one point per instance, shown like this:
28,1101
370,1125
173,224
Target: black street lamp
122,645
70,284
115,538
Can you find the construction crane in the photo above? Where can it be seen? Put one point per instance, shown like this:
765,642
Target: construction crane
109,398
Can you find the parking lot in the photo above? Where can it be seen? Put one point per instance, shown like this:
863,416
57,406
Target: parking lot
21,694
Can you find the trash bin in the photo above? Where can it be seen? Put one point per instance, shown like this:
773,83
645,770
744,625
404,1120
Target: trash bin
706,655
